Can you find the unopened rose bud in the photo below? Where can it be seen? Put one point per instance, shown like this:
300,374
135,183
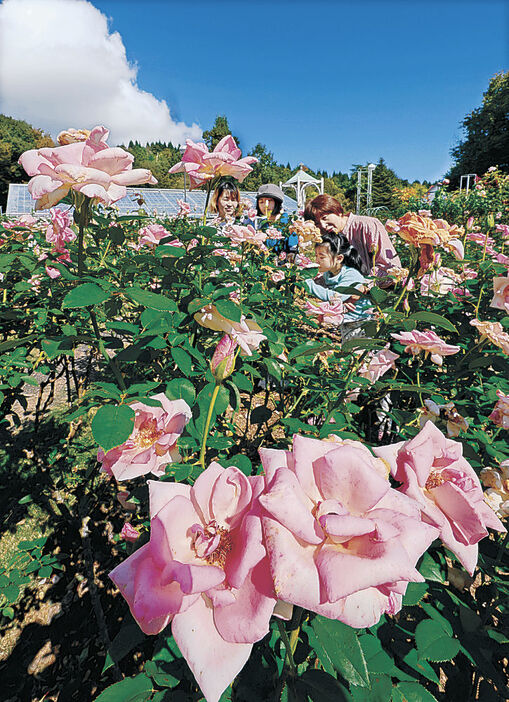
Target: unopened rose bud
470,223
223,360
491,220
129,533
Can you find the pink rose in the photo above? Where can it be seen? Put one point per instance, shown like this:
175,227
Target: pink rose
277,276
500,414
247,333
341,542
239,234
326,312
504,228
494,332
153,234
427,341
202,165
205,569
435,474
129,533
184,208
223,361
377,364
59,232
500,293
89,167
152,443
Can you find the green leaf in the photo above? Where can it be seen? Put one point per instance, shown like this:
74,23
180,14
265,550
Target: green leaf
411,692
420,666
242,382
24,500
85,295
321,687
183,360
378,661
129,636
14,343
229,309
361,342
241,462
414,593
431,570
152,300
273,368
181,389
433,318
8,612
112,425
339,645
434,643
309,348
137,689
380,691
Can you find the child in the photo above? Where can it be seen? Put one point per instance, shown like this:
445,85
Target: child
340,266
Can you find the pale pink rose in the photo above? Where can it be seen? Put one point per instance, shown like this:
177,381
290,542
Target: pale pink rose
152,235
500,293
439,281
504,228
482,240
501,258
234,296
192,244
222,363
427,341
277,276
129,533
273,233
436,475
341,542
455,246
184,208
239,234
470,223
52,272
89,167
494,332
469,274
247,333
202,166
500,414
378,363
424,213
153,440
326,312
303,261
205,570
35,282
59,232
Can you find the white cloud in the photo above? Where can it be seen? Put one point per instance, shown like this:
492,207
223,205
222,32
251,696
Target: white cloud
61,67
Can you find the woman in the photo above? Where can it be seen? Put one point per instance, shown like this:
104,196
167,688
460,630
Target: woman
269,203
366,234
225,202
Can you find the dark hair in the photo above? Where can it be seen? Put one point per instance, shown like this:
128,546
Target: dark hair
224,186
339,245
277,205
322,205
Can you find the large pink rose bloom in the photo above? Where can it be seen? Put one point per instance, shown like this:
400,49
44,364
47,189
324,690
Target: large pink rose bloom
340,540
202,165
153,234
205,569
152,443
446,487
247,333
427,341
501,293
89,167
331,312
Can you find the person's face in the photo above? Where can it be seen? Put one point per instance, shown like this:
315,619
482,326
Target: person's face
227,204
331,223
266,204
326,260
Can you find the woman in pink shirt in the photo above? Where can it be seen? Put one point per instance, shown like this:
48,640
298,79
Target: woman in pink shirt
366,234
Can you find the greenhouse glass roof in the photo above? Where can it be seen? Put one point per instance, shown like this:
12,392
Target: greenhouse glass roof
156,201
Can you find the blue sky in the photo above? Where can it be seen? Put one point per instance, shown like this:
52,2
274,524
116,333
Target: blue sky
328,84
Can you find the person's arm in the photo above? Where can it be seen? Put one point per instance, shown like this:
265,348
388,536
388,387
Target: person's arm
350,278
385,254
319,291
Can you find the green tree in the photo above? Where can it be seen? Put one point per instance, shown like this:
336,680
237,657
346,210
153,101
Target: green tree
220,129
16,136
486,132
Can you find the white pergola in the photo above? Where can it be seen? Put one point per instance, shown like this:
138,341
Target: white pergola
299,182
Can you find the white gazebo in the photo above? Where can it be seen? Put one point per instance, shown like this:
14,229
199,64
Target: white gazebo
299,182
